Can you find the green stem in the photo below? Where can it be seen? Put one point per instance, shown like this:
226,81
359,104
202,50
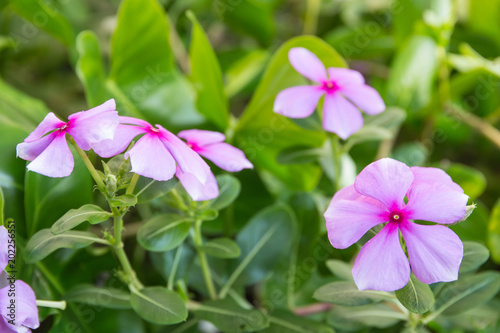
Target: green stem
175,265
198,241
311,19
337,153
61,305
90,167
133,183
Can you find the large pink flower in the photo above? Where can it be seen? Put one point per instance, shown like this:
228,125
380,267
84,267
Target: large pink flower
48,149
378,196
160,155
344,89
211,145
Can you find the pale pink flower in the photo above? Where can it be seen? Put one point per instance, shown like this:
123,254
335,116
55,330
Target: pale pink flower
344,89
378,196
48,149
160,155
211,145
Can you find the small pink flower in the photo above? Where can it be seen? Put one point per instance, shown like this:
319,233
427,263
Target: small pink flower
48,149
26,311
211,145
377,196
160,155
344,89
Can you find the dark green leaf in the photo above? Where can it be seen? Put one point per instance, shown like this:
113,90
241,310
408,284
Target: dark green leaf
74,217
110,298
475,254
340,269
471,180
158,305
148,189
221,248
416,296
356,318
299,155
286,322
164,232
347,294
229,189
494,232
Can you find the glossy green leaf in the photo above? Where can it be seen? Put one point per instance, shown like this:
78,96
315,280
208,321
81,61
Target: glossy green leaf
125,200
148,189
44,243
475,254
416,296
340,269
468,291
356,318
164,232
158,305
229,317
471,180
262,134
494,232
229,189
221,248
74,217
286,322
110,298
206,76
346,294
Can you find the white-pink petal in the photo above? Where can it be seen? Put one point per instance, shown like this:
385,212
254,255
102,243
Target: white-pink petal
435,252
225,156
386,180
49,123
56,160
30,150
364,97
134,121
308,64
345,76
88,130
4,241
197,190
107,106
430,176
347,221
123,136
381,263
340,116
150,158
436,203
26,315
297,102
201,137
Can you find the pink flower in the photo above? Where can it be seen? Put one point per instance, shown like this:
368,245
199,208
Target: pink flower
26,311
160,155
211,146
48,149
344,89
378,196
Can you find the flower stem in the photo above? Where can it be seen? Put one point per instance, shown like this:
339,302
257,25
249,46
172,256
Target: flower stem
337,153
175,265
90,167
198,241
311,19
133,183
61,305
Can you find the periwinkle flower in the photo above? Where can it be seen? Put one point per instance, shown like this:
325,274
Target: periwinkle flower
344,89
378,196
47,149
18,309
160,155
211,145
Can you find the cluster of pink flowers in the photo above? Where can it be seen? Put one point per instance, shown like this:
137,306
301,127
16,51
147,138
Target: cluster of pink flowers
158,154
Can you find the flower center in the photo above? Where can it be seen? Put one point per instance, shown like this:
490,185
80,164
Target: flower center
330,86
63,127
396,217
154,130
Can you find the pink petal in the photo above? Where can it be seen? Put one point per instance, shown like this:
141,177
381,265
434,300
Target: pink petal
436,203
134,121
88,130
49,123
340,116
150,158
387,180
197,190
226,157
5,327
25,303
30,150
107,106
435,251
123,136
188,160
297,102
364,97
56,160
381,263
307,63
432,176
201,137
347,221
350,193
344,76
4,241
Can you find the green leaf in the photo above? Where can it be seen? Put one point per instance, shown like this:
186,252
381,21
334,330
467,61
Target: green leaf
468,291
164,232
45,17
2,204
340,269
494,232
44,243
229,189
263,134
475,254
411,153
221,248
148,189
208,215
369,133
158,305
390,119
299,155
206,76
263,243
110,298
471,180
411,80
416,296
286,322
125,200
74,217
358,317
244,71
229,317
347,294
